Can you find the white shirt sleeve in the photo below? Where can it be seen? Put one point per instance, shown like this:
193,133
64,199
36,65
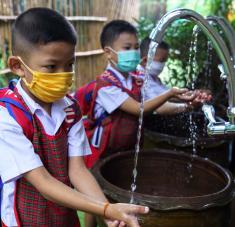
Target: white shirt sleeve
111,97
77,140
154,88
17,154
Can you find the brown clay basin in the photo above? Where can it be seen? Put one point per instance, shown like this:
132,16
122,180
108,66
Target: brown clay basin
164,184
173,132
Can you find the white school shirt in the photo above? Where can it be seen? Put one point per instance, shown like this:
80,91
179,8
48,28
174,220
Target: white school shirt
109,99
154,86
17,154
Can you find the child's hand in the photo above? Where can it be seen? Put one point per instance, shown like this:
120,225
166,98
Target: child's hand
182,93
201,96
115,223
125,213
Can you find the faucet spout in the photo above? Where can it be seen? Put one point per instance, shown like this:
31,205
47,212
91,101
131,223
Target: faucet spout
219,45
209,112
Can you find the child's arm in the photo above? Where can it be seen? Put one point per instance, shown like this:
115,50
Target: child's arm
173,108
200,97
57,192
133,107
83,180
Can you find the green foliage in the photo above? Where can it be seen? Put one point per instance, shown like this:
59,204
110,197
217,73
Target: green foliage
220,7
144,27
179,37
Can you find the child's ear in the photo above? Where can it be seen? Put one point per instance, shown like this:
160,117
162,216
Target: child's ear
143,61
108,52
15,66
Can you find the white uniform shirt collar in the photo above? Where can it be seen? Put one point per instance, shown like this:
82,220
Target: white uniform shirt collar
33,106
140,68
126,82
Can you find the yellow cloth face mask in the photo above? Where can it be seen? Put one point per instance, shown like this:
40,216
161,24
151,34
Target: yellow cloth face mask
49,87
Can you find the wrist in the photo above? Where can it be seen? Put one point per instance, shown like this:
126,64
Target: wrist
105,208
170,93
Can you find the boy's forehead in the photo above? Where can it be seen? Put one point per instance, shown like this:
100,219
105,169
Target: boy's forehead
54,51
126,38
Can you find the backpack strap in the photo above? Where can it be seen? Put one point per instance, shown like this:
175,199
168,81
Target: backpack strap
17,110
73,114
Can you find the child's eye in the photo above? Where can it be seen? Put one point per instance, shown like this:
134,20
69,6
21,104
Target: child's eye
50,67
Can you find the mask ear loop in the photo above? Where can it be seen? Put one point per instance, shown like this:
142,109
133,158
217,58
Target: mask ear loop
27,67
110,60
31,71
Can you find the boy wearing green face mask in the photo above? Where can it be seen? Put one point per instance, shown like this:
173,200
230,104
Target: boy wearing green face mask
113,105
42,138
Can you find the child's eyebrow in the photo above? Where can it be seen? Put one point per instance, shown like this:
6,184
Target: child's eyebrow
130,44
55,60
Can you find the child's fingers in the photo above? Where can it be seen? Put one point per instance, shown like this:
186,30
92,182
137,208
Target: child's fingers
186,97
122,224
136,209
112,223
183,90
132,221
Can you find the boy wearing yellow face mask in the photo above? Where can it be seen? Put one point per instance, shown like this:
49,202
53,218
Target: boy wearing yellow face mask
42,138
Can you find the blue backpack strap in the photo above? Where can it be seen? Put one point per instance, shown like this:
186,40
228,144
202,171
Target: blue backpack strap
8,102
98,124
12,84
88,94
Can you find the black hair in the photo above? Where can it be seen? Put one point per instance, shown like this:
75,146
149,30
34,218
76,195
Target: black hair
40,26
144,46
112,31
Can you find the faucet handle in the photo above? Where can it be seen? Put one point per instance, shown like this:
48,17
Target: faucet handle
223,76
209,112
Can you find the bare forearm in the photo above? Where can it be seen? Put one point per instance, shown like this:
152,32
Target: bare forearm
88,185
61,194
172,108
133,107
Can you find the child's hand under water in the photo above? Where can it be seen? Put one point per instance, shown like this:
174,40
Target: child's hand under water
201,96
182,93
125,213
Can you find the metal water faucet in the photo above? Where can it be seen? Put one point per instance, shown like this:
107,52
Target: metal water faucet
156,36
228,31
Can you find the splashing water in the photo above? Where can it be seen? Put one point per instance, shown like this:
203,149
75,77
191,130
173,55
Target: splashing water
192,69
208,65
193,139
192,62
151,54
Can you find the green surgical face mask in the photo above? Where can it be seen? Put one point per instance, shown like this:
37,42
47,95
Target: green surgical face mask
127,60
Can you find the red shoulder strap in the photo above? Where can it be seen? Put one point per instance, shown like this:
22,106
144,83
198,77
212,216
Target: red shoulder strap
18,110
73,114
84,96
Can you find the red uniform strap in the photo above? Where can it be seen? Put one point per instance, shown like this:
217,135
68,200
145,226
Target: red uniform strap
73,113
18,110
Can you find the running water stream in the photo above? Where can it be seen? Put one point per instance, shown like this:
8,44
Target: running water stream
192,71
152,49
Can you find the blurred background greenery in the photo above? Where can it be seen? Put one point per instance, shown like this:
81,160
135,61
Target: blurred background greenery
202,70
